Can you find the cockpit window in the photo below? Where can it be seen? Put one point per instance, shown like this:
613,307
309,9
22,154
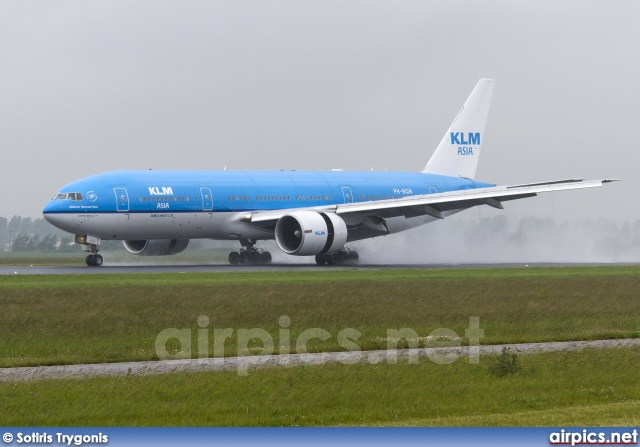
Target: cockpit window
75,196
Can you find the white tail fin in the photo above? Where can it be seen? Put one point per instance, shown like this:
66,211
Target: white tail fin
458,153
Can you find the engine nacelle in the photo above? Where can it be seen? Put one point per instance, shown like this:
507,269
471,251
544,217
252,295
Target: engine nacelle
156,247
307,233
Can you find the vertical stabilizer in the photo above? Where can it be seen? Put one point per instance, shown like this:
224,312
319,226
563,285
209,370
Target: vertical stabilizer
458,153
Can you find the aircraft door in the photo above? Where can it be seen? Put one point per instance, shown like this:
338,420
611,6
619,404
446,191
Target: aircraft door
207,199
433,190
122,199
347,194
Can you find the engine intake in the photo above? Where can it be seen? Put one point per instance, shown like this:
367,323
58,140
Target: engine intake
156,247
307,233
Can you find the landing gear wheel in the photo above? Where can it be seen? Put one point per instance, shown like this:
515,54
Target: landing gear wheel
265,257
344,256
255,257
249,254
234,258
94,260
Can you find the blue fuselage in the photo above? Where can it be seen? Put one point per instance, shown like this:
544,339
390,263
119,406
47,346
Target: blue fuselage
149,205
237,191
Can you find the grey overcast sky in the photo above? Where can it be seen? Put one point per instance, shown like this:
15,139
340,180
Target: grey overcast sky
87,87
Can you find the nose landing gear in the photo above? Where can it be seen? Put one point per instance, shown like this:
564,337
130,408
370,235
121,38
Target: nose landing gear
249,254
92,243
93,259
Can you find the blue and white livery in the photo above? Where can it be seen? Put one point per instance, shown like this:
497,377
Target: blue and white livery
308,213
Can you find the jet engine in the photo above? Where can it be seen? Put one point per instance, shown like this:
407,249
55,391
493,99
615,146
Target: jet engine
156,247
306,233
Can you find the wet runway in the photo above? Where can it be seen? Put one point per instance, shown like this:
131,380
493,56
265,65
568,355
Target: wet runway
190,268
119,269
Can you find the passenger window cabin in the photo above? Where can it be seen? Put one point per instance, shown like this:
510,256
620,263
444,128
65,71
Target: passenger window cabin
162,199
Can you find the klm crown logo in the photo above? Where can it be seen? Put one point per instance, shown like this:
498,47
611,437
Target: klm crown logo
459,138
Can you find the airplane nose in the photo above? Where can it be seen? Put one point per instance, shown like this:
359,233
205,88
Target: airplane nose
50,214
59,221
48,208
48,217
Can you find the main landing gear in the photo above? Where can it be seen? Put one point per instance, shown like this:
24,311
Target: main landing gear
249,254
344,256
94,259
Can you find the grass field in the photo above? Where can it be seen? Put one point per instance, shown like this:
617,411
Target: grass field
96,318
595,387
66,319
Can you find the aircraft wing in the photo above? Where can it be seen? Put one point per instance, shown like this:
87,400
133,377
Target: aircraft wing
435,204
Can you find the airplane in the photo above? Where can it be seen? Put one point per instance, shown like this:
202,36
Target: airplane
308,213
